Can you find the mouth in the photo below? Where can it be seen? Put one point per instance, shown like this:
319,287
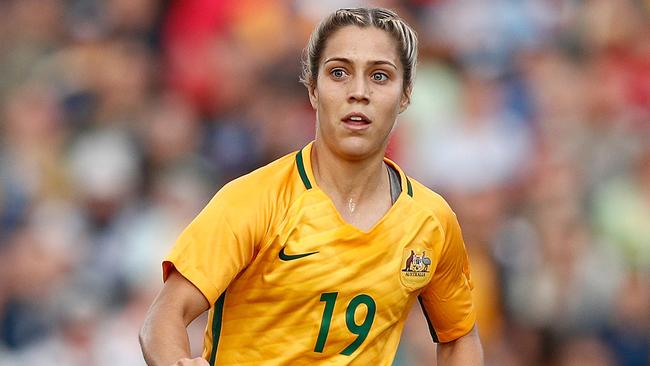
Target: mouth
356,121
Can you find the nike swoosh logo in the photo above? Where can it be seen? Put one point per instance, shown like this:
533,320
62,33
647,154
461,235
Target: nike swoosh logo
289,257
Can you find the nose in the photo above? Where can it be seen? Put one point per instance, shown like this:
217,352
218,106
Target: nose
359,91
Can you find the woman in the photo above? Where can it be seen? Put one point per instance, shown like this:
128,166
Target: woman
318,256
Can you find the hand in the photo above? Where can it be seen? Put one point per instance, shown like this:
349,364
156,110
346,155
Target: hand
191,362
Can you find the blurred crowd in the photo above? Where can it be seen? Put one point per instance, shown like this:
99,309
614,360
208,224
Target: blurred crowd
119,119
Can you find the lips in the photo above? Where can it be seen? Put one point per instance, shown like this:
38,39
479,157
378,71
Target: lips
356,120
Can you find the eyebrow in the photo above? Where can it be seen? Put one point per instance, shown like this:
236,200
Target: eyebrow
345,60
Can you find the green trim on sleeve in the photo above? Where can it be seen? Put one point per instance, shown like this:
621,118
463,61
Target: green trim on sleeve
432,330
216,326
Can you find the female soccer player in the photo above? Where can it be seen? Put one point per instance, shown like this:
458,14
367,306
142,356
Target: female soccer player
318,257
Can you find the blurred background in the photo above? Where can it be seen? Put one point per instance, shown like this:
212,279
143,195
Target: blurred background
120,118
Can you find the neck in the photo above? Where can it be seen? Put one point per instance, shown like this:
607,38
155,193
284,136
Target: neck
348,180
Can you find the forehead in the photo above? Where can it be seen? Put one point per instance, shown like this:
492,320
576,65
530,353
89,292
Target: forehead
361,44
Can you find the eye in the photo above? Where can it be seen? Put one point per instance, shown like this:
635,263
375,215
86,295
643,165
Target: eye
338,73
379,76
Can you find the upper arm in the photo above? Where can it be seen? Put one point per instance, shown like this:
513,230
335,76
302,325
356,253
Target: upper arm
163,336
466,350
180,296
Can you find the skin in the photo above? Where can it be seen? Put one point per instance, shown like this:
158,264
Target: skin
466,350
163,336
359,71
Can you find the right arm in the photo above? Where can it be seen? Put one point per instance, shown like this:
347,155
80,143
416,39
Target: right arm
163,336
206,257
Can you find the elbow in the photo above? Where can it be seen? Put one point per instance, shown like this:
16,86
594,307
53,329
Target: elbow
143,339
143,336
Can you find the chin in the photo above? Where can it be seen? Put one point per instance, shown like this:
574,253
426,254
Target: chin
356,148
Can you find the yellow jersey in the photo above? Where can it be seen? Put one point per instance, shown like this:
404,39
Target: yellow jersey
292,283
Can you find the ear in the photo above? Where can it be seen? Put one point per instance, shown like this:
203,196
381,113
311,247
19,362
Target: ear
313,94
406,99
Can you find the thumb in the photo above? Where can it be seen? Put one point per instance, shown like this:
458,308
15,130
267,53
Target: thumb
199,361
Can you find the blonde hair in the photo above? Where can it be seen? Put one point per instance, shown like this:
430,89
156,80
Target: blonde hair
383,19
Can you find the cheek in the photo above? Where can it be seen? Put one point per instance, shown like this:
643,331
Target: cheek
326,100
324,109
389,102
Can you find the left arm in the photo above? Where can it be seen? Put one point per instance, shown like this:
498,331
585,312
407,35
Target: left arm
465,351
447,300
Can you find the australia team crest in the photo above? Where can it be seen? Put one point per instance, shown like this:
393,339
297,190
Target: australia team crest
416,268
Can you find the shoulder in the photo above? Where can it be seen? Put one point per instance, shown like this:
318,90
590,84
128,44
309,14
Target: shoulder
273,184
438,207
429,200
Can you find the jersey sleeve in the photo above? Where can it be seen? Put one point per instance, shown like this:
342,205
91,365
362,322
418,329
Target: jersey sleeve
220,241
447,300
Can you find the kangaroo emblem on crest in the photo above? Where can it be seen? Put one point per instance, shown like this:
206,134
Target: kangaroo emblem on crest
409,260
417,263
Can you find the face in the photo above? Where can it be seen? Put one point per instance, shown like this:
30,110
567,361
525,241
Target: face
358,92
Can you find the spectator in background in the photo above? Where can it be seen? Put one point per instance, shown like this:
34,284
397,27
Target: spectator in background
622,211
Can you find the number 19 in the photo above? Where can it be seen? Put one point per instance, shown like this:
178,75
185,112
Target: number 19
361,330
